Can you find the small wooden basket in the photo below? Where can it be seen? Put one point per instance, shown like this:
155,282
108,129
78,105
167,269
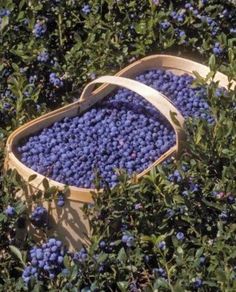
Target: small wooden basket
68,221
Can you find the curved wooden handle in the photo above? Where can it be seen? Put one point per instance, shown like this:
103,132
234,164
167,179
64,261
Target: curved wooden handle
160,101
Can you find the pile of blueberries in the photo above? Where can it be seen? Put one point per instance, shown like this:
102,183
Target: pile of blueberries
45,261
122,131
39,216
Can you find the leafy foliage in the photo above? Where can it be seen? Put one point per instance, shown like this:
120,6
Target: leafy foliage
175,229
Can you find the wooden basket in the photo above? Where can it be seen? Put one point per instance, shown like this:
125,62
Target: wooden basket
68,221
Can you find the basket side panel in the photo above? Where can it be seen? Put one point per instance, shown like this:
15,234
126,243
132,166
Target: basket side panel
67,224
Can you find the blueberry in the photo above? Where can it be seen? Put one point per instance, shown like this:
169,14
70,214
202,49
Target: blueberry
231,199
180,236
34,261
102,244
202,260
197,283
60,259
223,216
159,272
39,29
60,202
39,216
125,238
162,245
130,241
58,243
10,211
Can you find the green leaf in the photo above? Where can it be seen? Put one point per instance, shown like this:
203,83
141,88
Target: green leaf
74,273
122,257
199,252
32,177
180,250
3,217
17,253
160,283
210,283
200,79
20,208
140,28
123,286
4,22
102,257
212,62
45,184
22,3
173,118
66,261
15,67
132,268
220,274
37,287
178,288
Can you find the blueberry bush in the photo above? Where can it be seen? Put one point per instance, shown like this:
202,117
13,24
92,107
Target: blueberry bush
174,230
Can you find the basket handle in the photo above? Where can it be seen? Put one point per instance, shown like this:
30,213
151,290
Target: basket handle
160,101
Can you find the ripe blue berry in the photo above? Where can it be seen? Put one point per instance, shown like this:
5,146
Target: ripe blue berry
130,241
10,211
124,238
102,244
60,202
197,283
39,216
39,29
162,245
159,272
86,9
180,236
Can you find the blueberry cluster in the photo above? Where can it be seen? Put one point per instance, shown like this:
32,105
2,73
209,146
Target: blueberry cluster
45,261
224,216
165,25
180,33
10,211
122,131
39,216
55,80
86,9
178,16
175,177
197,283
190,101
217,49
60,200
39,29
4,12
190,188
159,272
33,79
80,256
199,13
128,240
43,56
